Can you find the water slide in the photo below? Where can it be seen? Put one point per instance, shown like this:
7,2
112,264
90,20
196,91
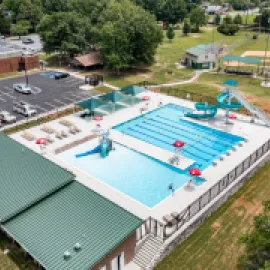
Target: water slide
91,152
205,110
223,103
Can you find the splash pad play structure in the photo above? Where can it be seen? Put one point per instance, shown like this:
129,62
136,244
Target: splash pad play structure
205,110
103,148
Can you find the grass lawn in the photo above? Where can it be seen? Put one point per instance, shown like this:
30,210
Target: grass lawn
251,45
168,54
214,244
16,259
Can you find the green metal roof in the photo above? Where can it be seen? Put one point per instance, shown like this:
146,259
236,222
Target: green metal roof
25,177
247,60
133,90
113,96
75,214
91,103
199,49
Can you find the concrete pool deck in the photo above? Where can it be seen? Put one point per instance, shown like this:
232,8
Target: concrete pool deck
255,134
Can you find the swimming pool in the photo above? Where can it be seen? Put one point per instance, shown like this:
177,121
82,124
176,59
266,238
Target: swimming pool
140,177
165,125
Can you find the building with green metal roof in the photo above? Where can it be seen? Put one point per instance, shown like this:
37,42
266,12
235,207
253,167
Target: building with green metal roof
26,177
203,56
59,222
73,217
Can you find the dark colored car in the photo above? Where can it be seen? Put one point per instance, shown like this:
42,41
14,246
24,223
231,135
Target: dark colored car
61,75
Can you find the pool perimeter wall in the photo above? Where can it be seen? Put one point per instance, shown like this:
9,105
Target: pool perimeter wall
195,214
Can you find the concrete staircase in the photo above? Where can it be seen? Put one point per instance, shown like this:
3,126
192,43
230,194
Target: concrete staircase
149,249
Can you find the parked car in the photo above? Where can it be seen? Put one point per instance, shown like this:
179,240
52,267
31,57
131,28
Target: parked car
22,88
7,117
61,75
27,40
24,108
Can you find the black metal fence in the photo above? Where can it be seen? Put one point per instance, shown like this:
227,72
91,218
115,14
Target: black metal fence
164,231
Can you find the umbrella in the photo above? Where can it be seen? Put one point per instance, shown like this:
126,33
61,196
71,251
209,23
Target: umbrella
98,118
41,141
178,144
194,172
232,116
145,98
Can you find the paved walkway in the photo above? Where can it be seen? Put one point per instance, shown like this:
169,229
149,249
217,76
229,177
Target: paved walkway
191,80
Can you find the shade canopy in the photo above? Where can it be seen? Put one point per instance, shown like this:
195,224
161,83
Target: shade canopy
230,82
195,171
241,59
41,141
178,144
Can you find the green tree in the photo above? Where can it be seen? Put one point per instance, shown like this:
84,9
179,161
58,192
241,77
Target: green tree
127,35
4,25
171,11
198,18
89,8
186,27
13,6
65,32
217,19
228,29
170,33
238,19
227,19
51,6
257,242
21,28
263,18
31,11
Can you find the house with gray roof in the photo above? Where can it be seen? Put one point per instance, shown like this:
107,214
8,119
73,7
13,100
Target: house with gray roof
203,56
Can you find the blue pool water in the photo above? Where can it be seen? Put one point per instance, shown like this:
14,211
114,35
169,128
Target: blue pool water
143,178
140,177
165,125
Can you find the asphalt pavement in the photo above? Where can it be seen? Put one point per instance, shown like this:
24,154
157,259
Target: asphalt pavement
48,94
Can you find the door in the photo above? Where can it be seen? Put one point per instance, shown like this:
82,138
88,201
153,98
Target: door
118,262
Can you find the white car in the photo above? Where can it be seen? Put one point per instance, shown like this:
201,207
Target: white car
6,117
22,88
24,108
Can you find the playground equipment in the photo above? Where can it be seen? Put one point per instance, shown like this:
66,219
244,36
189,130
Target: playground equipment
103,148
205,110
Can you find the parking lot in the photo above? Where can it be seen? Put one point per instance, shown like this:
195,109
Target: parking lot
47,94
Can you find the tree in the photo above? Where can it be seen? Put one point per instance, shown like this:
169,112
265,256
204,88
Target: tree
170,33
52,6
217,19
227,19
4,25
186,27
65,32
238,19
228,29
257,242
171,11
263,18
127,35
21,28
89,8
198,18
30,10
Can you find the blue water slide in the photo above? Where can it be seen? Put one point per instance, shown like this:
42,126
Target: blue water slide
91,152
203,111
223,102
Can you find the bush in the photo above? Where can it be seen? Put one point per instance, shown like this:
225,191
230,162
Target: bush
228,29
